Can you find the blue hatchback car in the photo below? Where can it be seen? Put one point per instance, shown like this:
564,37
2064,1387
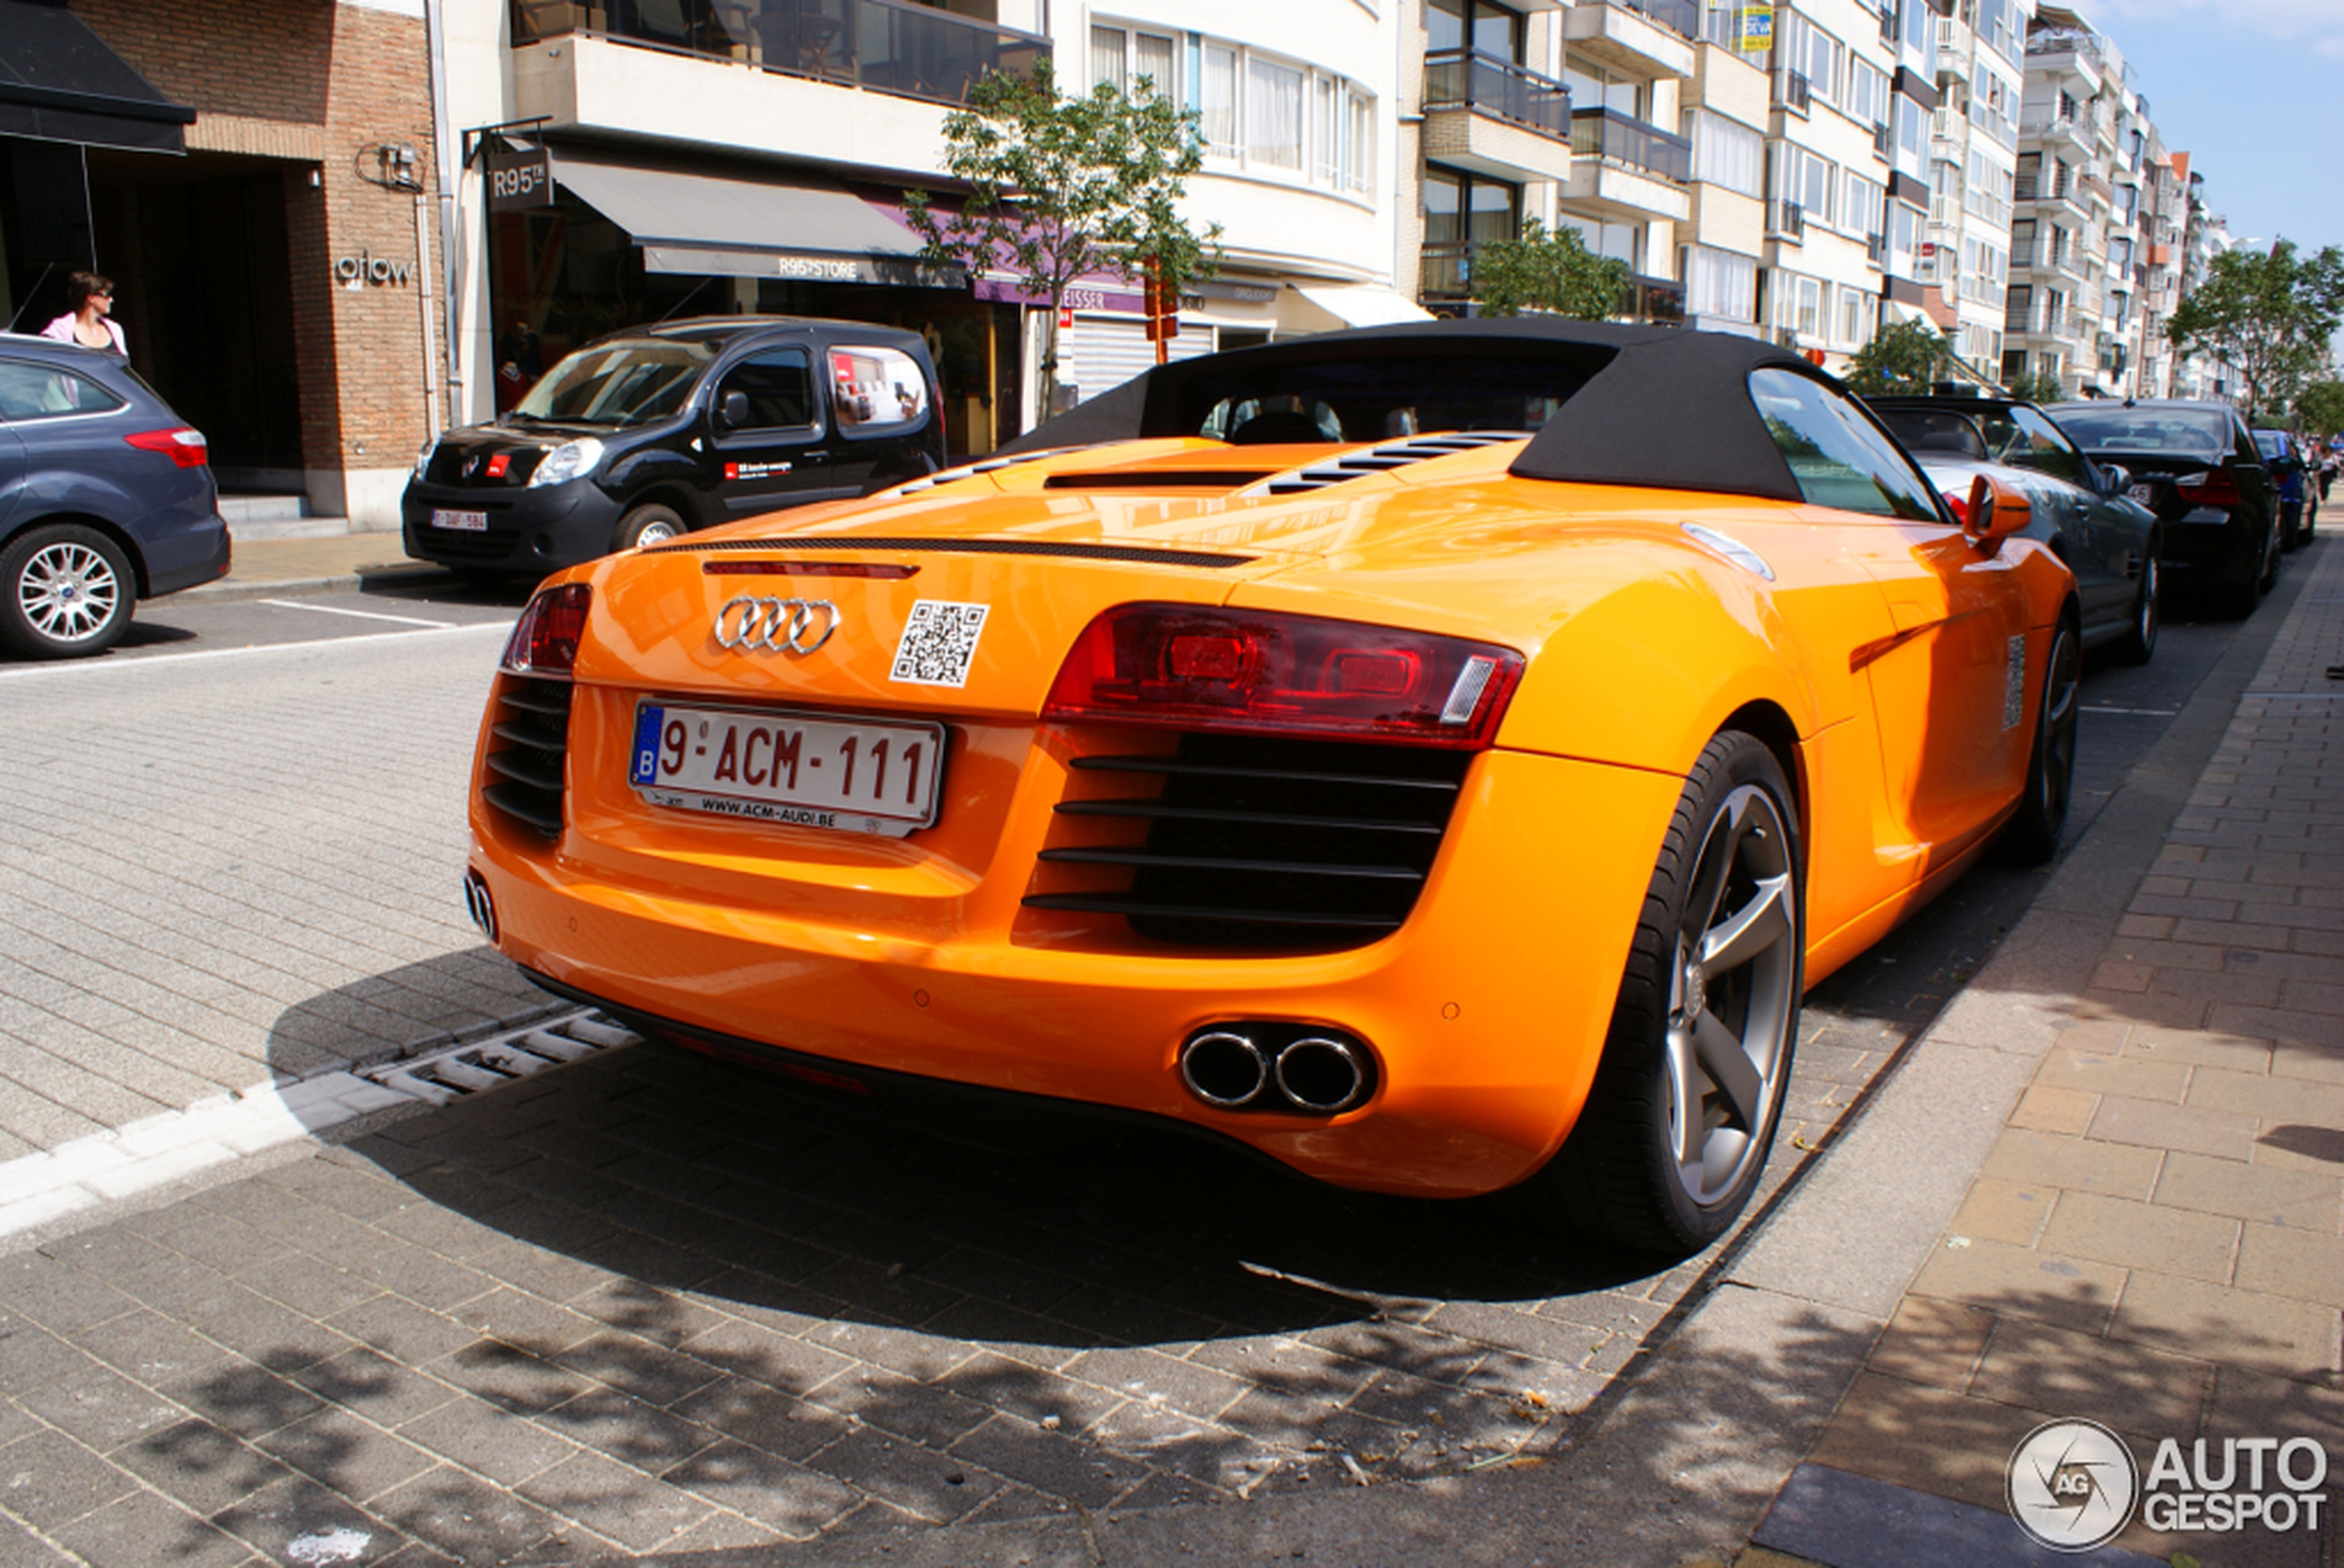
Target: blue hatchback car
106,498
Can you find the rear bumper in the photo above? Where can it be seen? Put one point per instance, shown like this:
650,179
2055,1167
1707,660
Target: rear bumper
211,568
2214,547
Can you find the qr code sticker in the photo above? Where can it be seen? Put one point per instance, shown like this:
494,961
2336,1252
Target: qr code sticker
2014,684
940,643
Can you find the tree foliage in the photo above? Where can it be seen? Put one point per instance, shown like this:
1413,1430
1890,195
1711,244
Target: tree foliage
2037,387
2319,409
1060,187
2268,315
1906,356
1552,272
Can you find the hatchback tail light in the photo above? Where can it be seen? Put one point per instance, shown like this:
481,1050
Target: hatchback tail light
2208,487
1222,669
544,641
182,444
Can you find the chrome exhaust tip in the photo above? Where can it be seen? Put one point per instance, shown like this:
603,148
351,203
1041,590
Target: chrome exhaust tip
1223,1069
1321,1074
482,907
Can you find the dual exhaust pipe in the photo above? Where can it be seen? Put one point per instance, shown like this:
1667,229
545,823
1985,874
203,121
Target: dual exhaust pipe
1277,1067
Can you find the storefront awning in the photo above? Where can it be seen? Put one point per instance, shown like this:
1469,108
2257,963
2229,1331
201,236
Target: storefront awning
1348,304
742,228
60,82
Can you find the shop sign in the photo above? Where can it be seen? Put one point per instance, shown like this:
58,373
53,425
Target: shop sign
519,177
357,271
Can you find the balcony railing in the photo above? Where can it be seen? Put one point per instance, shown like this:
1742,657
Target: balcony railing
2045,41
1876,249
1787,219
1880,143
1490,84
1792,90
1681,16
887,45
1619,138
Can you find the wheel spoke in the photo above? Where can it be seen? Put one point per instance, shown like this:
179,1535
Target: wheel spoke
1750,930
1716,865
1685,1094
1728,1065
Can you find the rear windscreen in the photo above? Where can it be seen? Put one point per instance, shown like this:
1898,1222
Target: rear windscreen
1383,396
2203,434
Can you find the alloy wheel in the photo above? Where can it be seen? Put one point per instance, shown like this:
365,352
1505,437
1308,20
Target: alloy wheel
68,591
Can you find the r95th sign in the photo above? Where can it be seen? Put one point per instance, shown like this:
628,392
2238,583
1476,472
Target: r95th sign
520,178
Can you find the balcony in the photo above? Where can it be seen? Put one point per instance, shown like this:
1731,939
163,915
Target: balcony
1625,171
2049,125
1786,219
2071,50
890,46
1645,39
1486,114
1618,138
1792,91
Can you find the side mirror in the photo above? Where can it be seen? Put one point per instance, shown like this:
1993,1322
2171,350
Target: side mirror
2114,479
1996,512
733,413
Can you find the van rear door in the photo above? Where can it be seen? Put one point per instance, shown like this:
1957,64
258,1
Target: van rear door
765,430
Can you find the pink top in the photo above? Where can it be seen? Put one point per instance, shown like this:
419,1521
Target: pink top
62,329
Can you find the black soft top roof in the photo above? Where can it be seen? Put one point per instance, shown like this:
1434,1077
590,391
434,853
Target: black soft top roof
1663,407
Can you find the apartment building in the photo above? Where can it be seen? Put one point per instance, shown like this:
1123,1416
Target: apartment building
1973,156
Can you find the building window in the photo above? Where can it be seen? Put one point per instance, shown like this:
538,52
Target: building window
1720,285
1269,114
1472,24
1461,212
1726,152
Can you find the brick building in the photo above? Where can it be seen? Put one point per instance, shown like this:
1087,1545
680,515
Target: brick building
277,280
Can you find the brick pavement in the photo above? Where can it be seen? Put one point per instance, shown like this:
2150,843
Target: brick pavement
2155,1240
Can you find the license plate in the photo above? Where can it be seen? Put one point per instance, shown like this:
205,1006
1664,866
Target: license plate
2141,493
849,775
471,522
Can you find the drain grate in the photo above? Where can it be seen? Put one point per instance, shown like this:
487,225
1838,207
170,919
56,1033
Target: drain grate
449,1075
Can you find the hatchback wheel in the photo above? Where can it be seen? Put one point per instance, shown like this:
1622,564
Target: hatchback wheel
67,591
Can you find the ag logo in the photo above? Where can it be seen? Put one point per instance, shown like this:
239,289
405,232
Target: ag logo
2072,1484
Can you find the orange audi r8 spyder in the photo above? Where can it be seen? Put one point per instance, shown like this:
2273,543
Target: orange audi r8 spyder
1437,757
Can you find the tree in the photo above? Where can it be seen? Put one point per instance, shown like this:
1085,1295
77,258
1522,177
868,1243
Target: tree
1555,273
2320,409
1906,356
2037,387
1061,186
2270,316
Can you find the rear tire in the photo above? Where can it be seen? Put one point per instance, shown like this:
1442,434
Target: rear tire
1676,1130
2033,835
650,523
65,593
2140,641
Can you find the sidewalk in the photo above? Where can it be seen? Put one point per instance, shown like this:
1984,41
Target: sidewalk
2154,1237
263,568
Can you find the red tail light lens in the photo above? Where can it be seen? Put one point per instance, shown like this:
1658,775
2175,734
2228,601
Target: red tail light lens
2212,488
183,446
1959,502
544,641
1212,669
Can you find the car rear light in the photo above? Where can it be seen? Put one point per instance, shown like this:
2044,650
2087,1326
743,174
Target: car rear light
182,444
1958,501
544,641
1224,669
2210,487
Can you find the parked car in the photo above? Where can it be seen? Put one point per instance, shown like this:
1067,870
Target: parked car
2194,464
656,431
106,498
1444,778
2294,476
2108,540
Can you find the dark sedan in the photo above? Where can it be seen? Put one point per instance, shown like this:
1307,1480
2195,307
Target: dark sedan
106,498
2195,465
2108,541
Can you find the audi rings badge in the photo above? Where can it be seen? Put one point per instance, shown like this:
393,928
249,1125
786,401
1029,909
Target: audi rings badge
770,626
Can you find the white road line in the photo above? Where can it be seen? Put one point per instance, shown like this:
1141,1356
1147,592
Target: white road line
361,614
88,666
2145,712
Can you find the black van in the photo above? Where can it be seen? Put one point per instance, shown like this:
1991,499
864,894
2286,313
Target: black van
655,431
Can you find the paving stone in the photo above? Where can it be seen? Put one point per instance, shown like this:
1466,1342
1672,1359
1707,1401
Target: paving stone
2239,1052
2222,1324
938,1488
1934,1442
612,1499
2022,1282
784,1498
384,1391
2076,1164
145,1528
2135,1234
2139,1076
2284,1261
344,1451
1931,1342
2302,1200
2122,1386
468,1518
2004,1211
508,1376
2153,1125
2269,1098
649,1438
47,1480
507,1448
56,1295
762,1417
638,1367
399,1328
200,1465
100,1407
297,1521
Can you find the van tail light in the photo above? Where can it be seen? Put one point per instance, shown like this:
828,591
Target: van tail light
1222,669
2209,487
544,641
182,444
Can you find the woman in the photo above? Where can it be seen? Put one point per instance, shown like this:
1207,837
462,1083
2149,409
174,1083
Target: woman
88,323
